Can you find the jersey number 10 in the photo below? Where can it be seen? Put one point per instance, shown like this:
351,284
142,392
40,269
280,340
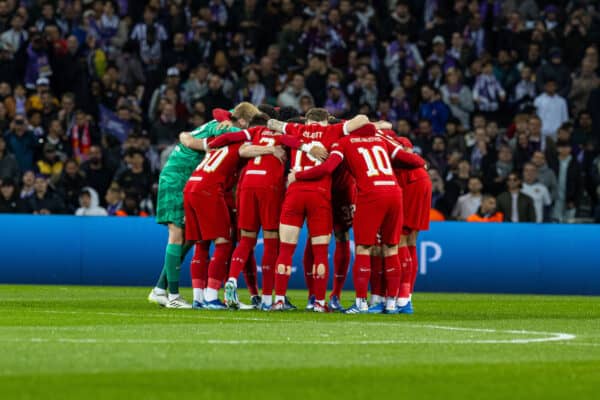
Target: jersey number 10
382,164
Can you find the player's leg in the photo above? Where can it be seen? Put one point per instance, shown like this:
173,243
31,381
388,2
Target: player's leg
239,259
412,248
307,263
250,276
320,270
199,272
341,263
269,259
406,269
360,274
377,279
292,219
391,231
367,221
217,270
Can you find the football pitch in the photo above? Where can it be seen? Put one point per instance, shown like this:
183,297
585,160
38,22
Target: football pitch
70,342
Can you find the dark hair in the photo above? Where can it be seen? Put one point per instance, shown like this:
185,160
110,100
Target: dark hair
287,113
269,110
259,120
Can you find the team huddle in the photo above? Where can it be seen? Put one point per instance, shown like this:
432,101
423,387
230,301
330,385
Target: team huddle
229,178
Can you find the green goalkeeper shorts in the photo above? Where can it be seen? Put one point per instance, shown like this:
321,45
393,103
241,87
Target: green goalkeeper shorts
169,207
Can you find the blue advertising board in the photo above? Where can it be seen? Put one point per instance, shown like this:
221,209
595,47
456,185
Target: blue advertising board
453,257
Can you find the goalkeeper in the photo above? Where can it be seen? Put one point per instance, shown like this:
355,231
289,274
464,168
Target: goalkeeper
170,212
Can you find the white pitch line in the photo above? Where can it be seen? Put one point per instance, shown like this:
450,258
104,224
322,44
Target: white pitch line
547,336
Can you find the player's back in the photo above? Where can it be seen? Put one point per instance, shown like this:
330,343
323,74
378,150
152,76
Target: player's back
315,135
368,160
216,170
263,171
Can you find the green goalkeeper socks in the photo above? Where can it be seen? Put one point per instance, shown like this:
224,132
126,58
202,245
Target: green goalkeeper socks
173,266
162,279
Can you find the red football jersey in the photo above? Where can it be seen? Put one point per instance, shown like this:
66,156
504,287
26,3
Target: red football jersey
263,171
368,159
216,170
315,134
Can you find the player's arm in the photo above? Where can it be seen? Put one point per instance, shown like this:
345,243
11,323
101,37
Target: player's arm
251,151
193,143
381,125
319,171
230,138
404,159
295,143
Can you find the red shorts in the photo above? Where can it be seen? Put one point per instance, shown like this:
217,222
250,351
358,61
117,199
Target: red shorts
417,204
343,205
259,207
378,213
314,206
206,216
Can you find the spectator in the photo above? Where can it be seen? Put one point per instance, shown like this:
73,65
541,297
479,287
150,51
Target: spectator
496,173
438,157
583,133
440,56
545,175
44,201
10,202
290,97
570,185
252,91
538,142
537,191
336,103
89,204
135,178
70,184
215,97
487,92
81,135
114,199
27,187
583,83
433,109
513,204
97,175
131,207
487,211
16,36
469,203
457,97
166,128
21,142
50,164
524,91
9,168
551,108
554,71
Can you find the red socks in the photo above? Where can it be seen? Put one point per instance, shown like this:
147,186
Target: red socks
268,265
199,265
240,256
406,272
217,269
320,270
392,275
250,275
361,273
377,276
341,262
308,262
414,266
283,268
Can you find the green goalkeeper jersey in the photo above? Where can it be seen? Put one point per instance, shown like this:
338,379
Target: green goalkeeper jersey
185,159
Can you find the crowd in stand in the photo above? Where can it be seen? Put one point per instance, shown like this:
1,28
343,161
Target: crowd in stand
502,98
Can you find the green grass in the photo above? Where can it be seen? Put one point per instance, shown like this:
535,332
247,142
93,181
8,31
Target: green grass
108,343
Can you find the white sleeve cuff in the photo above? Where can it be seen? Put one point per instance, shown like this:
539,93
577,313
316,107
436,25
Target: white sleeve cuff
346,133
339,153
396,150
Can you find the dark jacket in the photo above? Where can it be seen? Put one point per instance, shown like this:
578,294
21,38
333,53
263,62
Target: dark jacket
13,205
9,168
525,207
51,202
574,181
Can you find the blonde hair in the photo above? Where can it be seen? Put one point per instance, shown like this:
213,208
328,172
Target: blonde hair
245,111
